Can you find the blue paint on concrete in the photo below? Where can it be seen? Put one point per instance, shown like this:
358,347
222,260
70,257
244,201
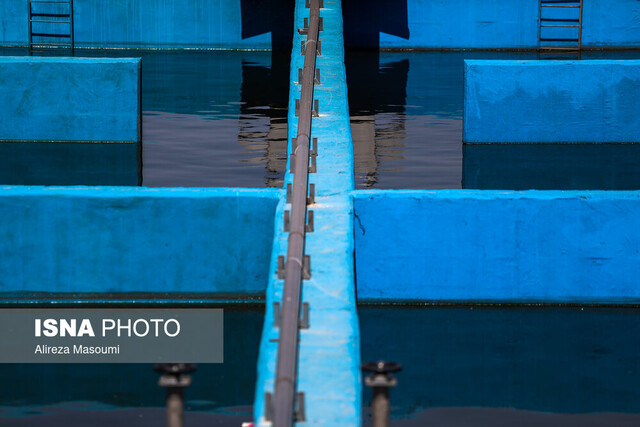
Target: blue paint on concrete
551,101
251,24
167,24
135,240
14,23
70,99
329,355
484,24
491,246
608,23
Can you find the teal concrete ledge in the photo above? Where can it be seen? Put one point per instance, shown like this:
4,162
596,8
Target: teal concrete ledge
70,99
551,101
497,247
135,241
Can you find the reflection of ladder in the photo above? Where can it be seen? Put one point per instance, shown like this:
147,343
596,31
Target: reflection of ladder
560,25
51,26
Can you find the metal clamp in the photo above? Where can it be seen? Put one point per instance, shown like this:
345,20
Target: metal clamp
304,318
308,227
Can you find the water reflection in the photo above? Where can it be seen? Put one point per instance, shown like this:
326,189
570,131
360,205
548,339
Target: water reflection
210,119
215,119
406,120
463,366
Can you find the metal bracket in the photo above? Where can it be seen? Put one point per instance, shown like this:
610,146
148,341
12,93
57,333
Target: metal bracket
313,153
308,227
316,79
299,414
306,267
313,167
268,406
303,47
304,318
305,29
307,4
314,113
311,198
281,269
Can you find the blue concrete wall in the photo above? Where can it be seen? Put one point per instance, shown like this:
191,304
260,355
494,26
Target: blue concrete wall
105,240
490,246
483,24
70,99
168,24
250,24
607,23
329,354
551,101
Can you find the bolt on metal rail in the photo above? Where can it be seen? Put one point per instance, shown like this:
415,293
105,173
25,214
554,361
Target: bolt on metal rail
286,396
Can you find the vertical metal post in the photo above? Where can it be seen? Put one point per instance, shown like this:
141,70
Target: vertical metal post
175,381
72,29
580,31
380,380
30,30
539,23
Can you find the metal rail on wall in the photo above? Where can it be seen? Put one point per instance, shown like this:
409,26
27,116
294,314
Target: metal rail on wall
287,405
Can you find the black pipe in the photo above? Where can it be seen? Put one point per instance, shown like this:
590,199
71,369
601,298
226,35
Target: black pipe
287,363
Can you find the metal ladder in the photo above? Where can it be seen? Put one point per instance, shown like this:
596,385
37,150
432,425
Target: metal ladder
51,27
560,26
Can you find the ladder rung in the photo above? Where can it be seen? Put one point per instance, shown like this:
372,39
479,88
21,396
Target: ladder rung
51,22
51,1
559,40
51,15
559,20
52,44
50,35
559,1
560,26
560,5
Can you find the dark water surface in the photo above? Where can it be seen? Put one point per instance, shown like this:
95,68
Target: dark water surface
219,119
128,394
406,120
480,366
210,119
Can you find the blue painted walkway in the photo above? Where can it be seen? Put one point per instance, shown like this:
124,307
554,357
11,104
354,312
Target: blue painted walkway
329,353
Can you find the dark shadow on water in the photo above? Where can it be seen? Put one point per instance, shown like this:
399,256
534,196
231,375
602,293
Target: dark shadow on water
531,359
551,166
364,20
70,163
269,16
